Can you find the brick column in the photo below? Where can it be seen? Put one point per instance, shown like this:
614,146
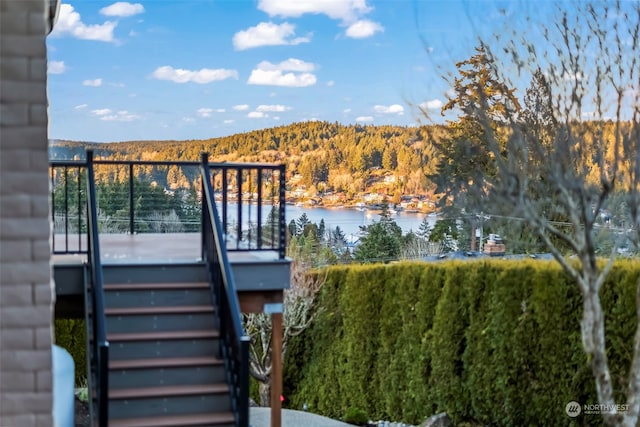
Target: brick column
26,285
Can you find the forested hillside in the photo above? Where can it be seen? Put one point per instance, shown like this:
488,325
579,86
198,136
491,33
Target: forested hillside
327,156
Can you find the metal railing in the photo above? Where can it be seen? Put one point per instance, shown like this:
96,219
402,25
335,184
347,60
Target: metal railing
129,199
234,342
99,346
246,227
69,206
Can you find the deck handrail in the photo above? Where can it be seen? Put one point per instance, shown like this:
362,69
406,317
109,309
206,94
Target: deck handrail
99,345
249,229
234,342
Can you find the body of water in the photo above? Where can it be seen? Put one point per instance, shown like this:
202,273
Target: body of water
349,220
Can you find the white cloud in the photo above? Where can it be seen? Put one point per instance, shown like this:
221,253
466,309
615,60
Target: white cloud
434,104
204,112
363,29
257,115
278,78
228,121
364,119
391,109
273,108
108,115
120,116
241,107
122,9
221,110
299,74
267,34
346,110
344,10
330,83
188,120
92,83
70,23
80,107
56,67
205,75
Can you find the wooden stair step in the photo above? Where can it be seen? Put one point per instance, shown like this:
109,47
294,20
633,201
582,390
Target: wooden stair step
166,335
154,286
181,309
171,362
175,420
167,391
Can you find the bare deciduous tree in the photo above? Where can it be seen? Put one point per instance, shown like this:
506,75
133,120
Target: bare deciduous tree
298,313
566,155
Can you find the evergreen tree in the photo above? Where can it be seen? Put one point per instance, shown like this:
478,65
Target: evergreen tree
466,157
301,223
446,232
293,228
424,231
382,241
322,229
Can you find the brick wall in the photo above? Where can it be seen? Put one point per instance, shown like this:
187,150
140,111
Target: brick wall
26,289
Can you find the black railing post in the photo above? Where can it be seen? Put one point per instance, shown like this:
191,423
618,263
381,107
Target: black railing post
259,184
79,185
66,207
53,209
132,225
243,406
239,192
282,244
204,231
225,200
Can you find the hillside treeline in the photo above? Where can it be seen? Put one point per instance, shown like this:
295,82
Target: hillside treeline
328,156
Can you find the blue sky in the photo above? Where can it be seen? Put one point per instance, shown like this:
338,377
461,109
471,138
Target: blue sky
192,69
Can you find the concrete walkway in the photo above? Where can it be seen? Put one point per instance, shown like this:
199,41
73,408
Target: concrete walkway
261,417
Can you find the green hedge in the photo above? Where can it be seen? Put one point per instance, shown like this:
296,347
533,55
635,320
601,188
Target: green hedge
489,342
70,335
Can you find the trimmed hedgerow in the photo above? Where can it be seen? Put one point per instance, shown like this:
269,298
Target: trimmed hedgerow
70,334
490,342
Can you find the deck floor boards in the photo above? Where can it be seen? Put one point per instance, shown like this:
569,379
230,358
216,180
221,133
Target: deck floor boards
149,248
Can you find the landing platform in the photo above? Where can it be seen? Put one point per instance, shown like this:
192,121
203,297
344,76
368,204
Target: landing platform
260,276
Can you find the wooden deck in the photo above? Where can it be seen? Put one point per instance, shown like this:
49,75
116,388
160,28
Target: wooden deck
151,248
257,273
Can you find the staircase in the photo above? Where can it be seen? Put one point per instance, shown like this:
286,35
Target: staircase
164,356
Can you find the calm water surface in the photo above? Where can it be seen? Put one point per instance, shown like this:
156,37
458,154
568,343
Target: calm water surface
348,219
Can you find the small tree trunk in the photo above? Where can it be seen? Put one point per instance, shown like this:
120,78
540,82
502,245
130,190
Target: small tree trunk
264,388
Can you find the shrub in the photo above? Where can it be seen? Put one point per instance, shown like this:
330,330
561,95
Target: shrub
70,334
489,342
356,416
